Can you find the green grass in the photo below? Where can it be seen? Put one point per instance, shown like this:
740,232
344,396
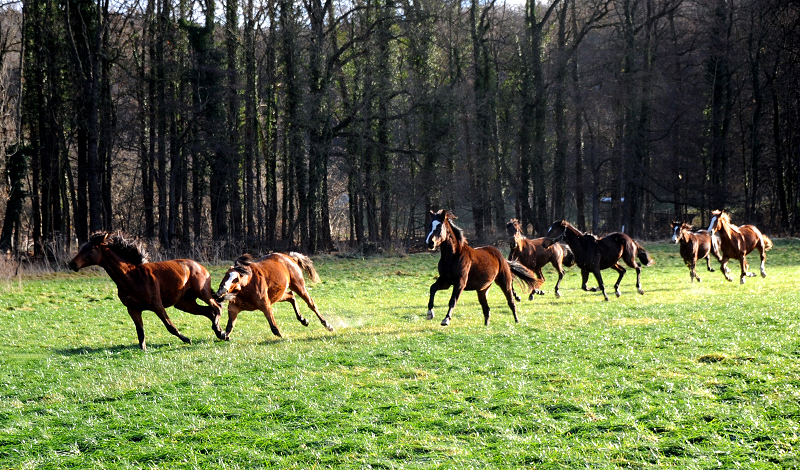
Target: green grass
688,376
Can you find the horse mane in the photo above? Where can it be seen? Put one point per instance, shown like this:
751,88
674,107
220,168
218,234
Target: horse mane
129,250
723,216
242,264
458,233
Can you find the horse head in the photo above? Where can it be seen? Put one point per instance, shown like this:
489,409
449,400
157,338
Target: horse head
515,232
558,230
679,230
235,278
717,218
438,233
89,254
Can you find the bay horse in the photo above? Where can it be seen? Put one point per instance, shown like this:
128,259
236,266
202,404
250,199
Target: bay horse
258,284
694,245
150,286
737,242
594,254
535,253
467,268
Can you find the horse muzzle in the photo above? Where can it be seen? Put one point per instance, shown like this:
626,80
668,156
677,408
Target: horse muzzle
222,296
73,266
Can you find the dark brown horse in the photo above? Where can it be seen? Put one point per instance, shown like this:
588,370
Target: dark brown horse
737,242
535,253
695,245
594,254
150,286
467,268
258,284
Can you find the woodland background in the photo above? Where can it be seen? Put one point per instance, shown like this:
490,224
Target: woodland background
249,125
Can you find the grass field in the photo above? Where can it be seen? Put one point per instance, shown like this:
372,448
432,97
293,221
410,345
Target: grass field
688,376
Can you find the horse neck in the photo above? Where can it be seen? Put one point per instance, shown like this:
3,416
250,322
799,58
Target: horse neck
727,232
116,267
451,246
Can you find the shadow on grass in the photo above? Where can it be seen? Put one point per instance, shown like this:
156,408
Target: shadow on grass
83,350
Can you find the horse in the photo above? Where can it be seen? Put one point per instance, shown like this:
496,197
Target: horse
150,286
737,242
467,268
535,253
594,254
258,284
695,245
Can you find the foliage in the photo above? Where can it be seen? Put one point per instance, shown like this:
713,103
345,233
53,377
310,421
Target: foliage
689,375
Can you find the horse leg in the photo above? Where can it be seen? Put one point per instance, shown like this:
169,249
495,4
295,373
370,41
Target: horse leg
638,280
162,314
233,315
693,270
457,289
585,279
303,293
485,306
436,286
540,275
267,309
763,254
708,264
724,268
560,270
188,304
514,293
289,297
621,270
743,264
136,316
600,286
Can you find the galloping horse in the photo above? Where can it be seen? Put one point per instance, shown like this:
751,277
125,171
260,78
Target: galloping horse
594,254
467,268
695,245
737,242
150,286
535,253
258,284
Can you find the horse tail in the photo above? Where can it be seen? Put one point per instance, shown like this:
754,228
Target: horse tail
306,265
569,257
767,243
525,275
643,256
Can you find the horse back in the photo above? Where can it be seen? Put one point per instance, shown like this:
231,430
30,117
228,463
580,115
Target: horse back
273,275
753,238
171,280
480,265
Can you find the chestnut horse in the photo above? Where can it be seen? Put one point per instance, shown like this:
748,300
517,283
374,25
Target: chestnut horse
150,286
258,284
535,253
467,268
737,242
594,254
695,245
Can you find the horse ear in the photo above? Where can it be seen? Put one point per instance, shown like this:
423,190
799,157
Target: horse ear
450,215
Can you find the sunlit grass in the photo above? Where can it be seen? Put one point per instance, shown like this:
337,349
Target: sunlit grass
686,376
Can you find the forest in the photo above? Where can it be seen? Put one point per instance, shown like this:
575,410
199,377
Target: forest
319,125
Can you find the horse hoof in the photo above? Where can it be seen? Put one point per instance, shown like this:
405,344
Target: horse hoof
530,297
741,281
606,297
619,294
304,322
763,274
517,298
446,322
558,294
641,291
540,292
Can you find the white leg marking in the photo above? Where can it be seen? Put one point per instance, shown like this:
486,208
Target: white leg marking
430,314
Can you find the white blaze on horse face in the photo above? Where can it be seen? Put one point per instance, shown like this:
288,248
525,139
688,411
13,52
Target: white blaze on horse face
434,225
675,233
713,223
230,278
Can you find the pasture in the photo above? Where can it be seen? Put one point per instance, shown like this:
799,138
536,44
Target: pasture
689,375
